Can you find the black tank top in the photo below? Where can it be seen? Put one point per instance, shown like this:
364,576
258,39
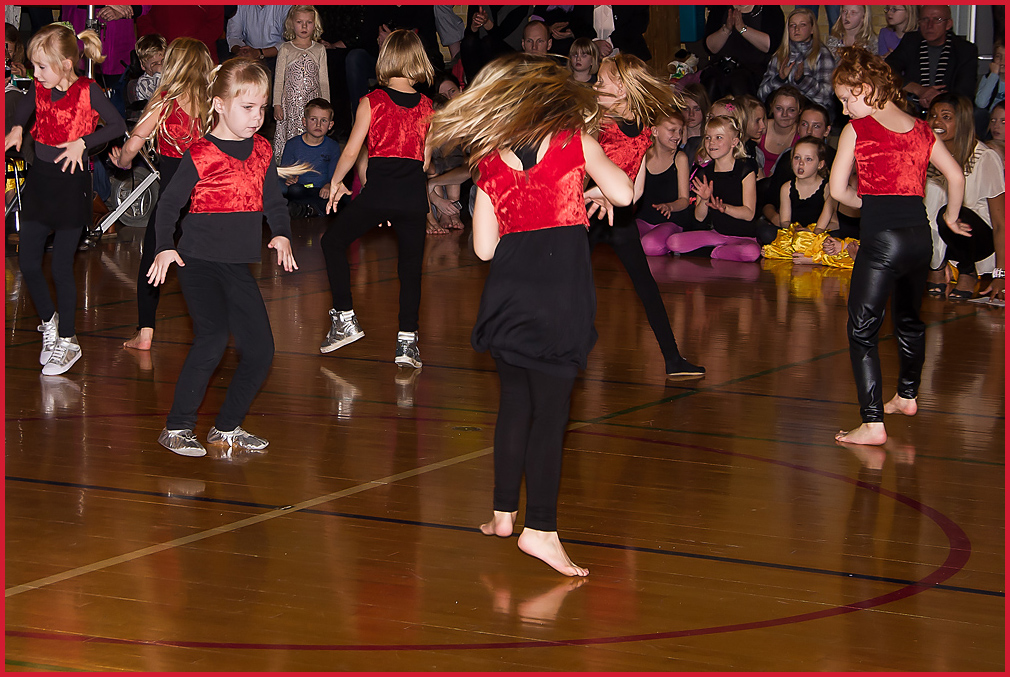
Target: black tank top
806,212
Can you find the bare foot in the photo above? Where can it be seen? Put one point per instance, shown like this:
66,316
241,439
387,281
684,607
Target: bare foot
141,340
546,546
900,405
868,433
500,525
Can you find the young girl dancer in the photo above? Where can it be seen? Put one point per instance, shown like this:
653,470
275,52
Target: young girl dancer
892,151
57,196
631,98
177,115
230,180
300,74
525,120
726,190
394,119
665,205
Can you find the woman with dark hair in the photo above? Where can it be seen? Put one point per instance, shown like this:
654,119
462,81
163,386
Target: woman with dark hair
981,252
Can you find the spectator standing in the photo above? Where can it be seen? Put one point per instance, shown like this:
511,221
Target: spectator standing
620,29
801,61
933,59
301,74
257,32
740,39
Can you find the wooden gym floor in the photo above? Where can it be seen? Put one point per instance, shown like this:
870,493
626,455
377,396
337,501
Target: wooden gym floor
724,528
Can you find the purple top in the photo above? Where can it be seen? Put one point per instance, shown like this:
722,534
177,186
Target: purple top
118,40
886,42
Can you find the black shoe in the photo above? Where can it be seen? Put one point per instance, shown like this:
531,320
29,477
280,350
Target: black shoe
684,368
297,210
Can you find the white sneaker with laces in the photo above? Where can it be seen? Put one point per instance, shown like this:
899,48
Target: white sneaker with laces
66,352
237,438
49,335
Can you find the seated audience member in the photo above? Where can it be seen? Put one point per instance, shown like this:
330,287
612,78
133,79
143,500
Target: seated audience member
899,20
997,131
755,125
933,59
802,61
307,194
813,122
854,28
981,252
726,190
696,105
991,88
151,53
784,104
664,208
537,38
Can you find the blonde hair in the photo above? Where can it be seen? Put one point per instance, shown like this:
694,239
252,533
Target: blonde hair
56,43
184,77
736,110
585,46
865,37
150,45
911,18
647,96
750,105
402,56
515,100
289,22
815,40
728,124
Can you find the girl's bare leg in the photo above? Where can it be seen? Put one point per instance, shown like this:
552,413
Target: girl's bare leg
546,546
868,433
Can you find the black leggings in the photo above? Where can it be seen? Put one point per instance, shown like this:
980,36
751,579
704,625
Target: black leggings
31,250
967,250
891,264
223,299
623,237
528,439
351,223
147,294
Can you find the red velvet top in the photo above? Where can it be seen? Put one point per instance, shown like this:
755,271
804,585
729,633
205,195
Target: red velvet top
397,131
889,163
625,151
227,184
65,120
548,195
178,131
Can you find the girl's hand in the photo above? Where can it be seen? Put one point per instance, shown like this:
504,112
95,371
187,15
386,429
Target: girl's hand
284,255
72,155
324,192
956,225
441,204
278,113
664,208
832,246
336,192
996,290
717,204
798,71
159,269
599,204
702,187
18,69
784,69
115,154
13,138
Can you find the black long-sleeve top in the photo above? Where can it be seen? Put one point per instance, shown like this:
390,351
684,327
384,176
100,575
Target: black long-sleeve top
113,129
233,237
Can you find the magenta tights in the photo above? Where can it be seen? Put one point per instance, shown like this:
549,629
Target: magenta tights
654,236
727,247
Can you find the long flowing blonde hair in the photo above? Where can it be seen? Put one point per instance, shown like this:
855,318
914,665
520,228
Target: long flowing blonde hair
56,42
815,40
515,100
865,38
648,98
185,78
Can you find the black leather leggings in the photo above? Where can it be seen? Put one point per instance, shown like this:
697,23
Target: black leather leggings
893,264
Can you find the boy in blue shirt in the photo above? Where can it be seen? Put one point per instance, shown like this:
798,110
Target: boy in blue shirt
308,193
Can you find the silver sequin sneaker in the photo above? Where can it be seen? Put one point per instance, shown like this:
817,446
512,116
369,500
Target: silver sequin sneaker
407,354
182,442
49,335
237,438
344,329
65,353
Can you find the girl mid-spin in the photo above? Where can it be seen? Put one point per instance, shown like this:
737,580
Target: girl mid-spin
526,122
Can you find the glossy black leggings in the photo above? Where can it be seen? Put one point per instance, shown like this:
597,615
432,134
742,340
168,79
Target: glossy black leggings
891,264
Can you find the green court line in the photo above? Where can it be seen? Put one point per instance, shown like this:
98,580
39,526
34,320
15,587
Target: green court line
44,666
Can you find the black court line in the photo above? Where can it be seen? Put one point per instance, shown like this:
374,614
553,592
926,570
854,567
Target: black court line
458,528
